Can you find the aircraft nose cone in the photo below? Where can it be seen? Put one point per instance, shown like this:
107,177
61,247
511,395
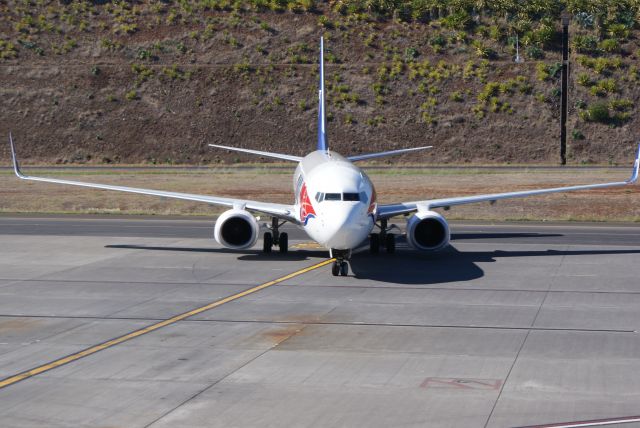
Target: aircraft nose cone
347,228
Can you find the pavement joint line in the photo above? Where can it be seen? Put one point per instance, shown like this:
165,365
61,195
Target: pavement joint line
328,323
341,286
153,327
526,336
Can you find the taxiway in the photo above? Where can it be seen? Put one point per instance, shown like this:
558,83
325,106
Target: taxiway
148,322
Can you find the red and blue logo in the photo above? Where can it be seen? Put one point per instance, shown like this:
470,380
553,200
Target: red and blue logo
306,209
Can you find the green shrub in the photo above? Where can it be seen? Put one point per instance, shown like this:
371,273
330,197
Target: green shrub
585,43
142,72
438,43
110,45
456,96
375,121
576,134
491,89
380,89
496,33
618,31
598,112
460,20
584,80
604,87
348,119
174,73
545,34
410,54
525,88
621,105
131,95
325,22
483,51
584,19
601,65
534,52
610,45
542,71
243,67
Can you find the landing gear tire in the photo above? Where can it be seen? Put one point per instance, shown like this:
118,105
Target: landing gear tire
335,269
267,242
374,243
283,243
391,243
344,269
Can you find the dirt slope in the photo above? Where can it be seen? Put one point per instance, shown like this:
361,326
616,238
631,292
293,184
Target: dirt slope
101,92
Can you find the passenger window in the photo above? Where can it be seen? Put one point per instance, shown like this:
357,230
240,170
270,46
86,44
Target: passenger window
351,197
332,197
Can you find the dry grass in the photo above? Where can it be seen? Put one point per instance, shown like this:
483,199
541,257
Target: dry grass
617,204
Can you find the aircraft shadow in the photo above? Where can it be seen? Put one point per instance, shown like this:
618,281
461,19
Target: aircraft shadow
408,266
503,235
292,255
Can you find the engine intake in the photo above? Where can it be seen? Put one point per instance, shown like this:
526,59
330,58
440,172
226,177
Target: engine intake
428,231
236,229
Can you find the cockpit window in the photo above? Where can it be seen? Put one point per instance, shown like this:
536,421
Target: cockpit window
319,196
351,197
332,197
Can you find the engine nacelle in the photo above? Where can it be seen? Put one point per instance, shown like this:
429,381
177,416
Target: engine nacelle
236,229
428,231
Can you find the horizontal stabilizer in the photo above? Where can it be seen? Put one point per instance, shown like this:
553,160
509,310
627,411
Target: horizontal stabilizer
389,153
260,153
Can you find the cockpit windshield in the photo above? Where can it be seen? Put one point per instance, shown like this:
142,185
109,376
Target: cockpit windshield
347,196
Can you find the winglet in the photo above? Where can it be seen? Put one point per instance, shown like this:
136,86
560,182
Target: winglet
16,167
636,167
322,121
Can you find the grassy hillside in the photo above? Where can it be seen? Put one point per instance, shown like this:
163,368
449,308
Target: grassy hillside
155,81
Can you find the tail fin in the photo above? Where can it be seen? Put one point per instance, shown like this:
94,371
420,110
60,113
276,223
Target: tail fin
322,121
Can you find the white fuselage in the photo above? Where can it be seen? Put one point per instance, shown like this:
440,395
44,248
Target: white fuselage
335,200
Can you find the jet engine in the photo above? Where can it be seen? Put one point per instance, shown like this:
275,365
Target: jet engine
236,229
428,231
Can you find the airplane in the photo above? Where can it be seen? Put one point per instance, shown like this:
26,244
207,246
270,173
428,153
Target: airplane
335,202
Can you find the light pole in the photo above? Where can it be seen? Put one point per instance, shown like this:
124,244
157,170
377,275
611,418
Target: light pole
566,17
518,58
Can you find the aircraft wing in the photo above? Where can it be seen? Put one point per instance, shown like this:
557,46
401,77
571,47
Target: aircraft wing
285,212
387,211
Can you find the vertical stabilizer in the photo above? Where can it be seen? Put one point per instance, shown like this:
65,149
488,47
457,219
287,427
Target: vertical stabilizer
322,121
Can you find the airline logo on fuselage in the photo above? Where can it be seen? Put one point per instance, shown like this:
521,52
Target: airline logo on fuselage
306,209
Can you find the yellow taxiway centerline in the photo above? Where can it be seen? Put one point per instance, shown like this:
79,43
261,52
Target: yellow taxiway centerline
108,344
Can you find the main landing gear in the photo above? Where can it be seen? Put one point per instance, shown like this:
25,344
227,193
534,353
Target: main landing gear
384,238
340,266
275,237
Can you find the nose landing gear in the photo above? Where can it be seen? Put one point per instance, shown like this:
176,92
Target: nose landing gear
340,266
